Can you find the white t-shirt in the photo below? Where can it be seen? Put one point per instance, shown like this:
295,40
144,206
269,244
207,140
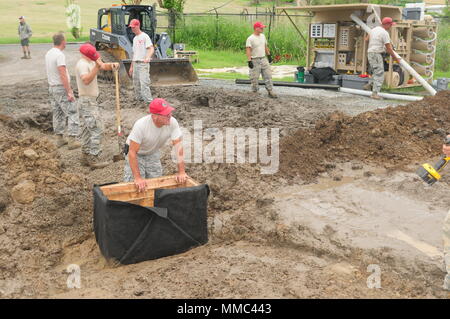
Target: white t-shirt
141,43
83,67
258,45
53,59
378,37
150,137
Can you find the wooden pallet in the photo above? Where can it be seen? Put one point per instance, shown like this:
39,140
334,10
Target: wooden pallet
127,192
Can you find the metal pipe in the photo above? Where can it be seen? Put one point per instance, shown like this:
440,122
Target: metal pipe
294,84
385,95
403,63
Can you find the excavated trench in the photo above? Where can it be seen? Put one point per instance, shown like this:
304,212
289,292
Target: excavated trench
344,197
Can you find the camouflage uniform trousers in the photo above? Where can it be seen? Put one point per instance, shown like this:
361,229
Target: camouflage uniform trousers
377,65
261,66
64,112
149,167
91,125
141,82
446,231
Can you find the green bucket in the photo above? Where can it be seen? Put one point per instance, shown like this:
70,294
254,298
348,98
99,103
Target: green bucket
301,74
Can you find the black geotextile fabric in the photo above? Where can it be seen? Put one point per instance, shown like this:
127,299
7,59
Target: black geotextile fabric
132,233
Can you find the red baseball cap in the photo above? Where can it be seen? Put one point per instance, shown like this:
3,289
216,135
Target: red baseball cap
388,20
89,50
258,25
135,23
160,106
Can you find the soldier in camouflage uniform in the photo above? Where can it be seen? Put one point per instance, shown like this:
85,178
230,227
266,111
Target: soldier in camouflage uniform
256,50
65,112
446,231
91,123
446,235
140,67
379,42
25,34
148,136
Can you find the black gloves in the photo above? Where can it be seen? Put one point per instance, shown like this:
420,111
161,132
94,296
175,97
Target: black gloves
250,64
269,57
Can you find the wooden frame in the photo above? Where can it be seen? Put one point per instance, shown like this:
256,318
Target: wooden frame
340,14
126,192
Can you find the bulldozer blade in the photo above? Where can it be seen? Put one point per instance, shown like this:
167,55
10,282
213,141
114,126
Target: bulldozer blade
170,72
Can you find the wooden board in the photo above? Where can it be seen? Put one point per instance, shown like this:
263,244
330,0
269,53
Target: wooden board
127,192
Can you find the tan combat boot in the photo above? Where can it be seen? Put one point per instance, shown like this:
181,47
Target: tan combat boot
60,141
73,143
93,161
375,96
367,87
272,94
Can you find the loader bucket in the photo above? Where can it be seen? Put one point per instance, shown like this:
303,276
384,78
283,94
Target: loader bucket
170,72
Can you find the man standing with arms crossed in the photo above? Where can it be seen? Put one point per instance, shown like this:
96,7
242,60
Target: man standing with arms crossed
25,35
140,67
379,42
256,50
149,134
61,95
91,123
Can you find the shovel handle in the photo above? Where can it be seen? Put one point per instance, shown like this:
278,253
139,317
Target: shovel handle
116,77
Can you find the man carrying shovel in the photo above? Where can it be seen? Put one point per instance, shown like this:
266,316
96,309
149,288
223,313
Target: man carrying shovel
149,134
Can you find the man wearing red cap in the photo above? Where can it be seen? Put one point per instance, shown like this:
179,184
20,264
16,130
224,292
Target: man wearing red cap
379,42
91,124
256,50
140,67
148,136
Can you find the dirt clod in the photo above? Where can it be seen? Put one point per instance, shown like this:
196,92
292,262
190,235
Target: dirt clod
24,192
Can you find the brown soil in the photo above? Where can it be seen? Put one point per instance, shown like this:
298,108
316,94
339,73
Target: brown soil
395,136
253,251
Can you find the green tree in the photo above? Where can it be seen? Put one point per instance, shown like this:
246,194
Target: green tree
73,13
175,9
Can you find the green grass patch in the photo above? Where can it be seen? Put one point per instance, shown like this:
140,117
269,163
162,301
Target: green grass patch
34,40
233,76
209,33
211,59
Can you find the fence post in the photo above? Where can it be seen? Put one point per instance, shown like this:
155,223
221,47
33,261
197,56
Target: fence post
217,28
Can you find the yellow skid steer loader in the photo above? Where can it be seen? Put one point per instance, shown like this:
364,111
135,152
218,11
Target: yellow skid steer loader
113,35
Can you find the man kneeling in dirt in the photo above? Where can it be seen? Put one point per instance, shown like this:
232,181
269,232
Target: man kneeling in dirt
148,136
446,231
91,123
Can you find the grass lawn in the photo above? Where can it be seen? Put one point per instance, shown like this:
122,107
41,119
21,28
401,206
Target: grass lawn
48,16
233,76
222,59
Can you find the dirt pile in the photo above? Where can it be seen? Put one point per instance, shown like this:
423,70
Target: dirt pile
392,136
43,209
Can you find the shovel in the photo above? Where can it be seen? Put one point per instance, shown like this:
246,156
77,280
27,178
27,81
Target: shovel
118,157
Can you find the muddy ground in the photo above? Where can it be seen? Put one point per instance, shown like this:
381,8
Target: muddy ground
345,198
